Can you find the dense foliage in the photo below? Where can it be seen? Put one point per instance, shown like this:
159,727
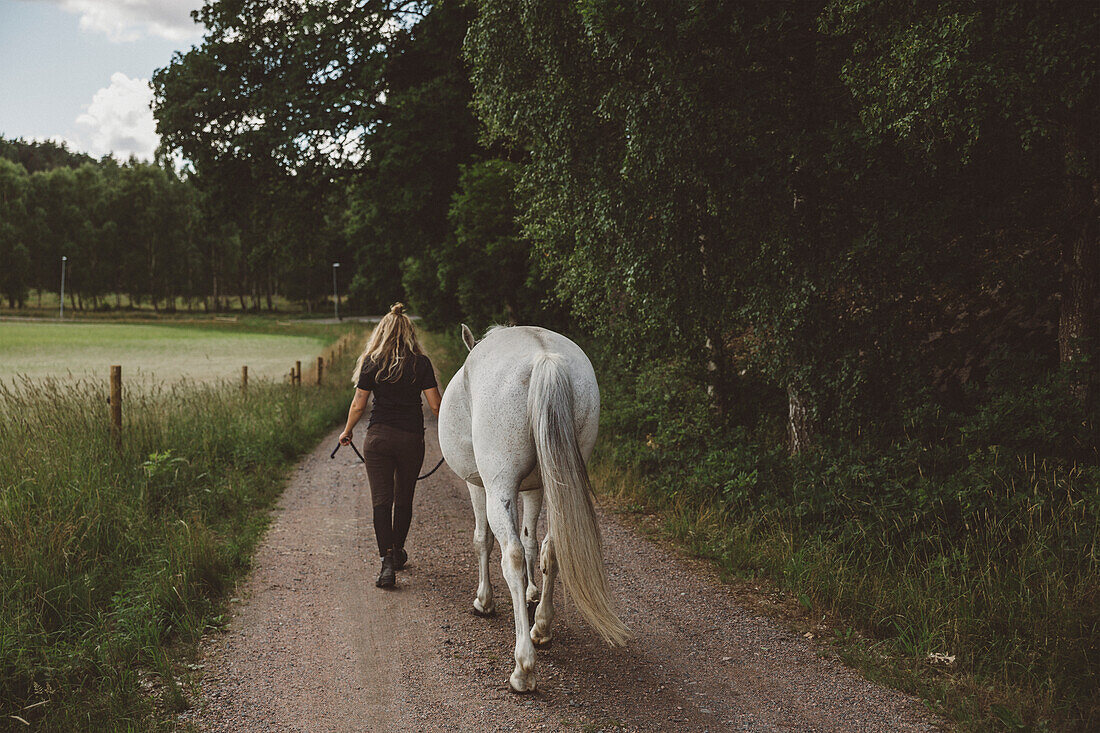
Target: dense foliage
726,181
345,128
425,131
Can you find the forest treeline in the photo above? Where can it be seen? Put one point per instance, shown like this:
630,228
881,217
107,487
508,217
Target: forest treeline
124,228
142,231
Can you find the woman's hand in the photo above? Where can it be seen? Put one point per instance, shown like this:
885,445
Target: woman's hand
345,437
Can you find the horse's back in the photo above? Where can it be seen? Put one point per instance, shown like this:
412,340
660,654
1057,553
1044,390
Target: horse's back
507,353
495,381
499,371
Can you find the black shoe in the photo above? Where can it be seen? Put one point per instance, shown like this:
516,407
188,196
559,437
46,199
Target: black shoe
400,557
386,578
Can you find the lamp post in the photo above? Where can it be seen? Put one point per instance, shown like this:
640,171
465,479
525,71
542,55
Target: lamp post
335,292
61,313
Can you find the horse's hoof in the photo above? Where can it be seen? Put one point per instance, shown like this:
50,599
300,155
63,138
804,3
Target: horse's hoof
540,634
541,641
521,685
484,611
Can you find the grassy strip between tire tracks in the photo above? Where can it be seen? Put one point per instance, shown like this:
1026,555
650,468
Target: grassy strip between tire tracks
110,560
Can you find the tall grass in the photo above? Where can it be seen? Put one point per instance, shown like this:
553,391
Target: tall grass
1013,601
108,558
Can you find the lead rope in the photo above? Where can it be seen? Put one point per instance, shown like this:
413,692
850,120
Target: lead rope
364,460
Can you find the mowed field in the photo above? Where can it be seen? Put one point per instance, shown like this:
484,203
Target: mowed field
148,353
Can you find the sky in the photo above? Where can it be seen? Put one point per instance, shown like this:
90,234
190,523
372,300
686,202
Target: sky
79,70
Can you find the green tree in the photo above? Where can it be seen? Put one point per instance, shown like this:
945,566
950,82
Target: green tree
999,104
485,266
279,95
14,220
754,183
677,160
425,131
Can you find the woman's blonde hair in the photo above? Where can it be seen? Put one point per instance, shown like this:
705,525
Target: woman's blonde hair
390,344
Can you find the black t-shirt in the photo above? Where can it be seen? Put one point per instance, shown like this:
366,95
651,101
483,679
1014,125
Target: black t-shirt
397,400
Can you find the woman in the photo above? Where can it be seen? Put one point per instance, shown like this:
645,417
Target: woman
393,366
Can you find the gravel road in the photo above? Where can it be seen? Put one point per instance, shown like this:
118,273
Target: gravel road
314,646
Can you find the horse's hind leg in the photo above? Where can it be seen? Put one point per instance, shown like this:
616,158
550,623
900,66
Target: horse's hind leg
501,511
544,614
532,505
483,545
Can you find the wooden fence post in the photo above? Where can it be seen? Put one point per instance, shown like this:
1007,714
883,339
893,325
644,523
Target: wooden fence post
320,369
116,406
298,373
244,378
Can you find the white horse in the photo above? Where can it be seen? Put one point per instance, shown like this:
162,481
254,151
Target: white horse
520,418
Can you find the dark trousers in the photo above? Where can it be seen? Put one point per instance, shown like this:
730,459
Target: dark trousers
393,459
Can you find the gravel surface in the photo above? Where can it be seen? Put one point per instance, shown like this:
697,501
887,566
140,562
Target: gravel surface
314,646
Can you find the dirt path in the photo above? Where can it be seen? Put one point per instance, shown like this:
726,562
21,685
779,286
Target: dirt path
314,646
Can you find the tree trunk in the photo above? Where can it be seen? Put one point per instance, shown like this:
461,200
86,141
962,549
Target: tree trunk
1076,327
716,356
1080,262
800,428
807,194
1077,316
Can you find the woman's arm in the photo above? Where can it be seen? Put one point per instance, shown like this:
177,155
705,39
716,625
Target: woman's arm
358,405
432,394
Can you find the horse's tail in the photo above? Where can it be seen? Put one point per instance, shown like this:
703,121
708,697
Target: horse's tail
568,489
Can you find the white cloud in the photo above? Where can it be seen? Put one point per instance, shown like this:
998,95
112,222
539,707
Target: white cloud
120,121
129,20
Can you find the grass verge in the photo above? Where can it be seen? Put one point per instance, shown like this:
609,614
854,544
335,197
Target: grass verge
996,630
110,558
